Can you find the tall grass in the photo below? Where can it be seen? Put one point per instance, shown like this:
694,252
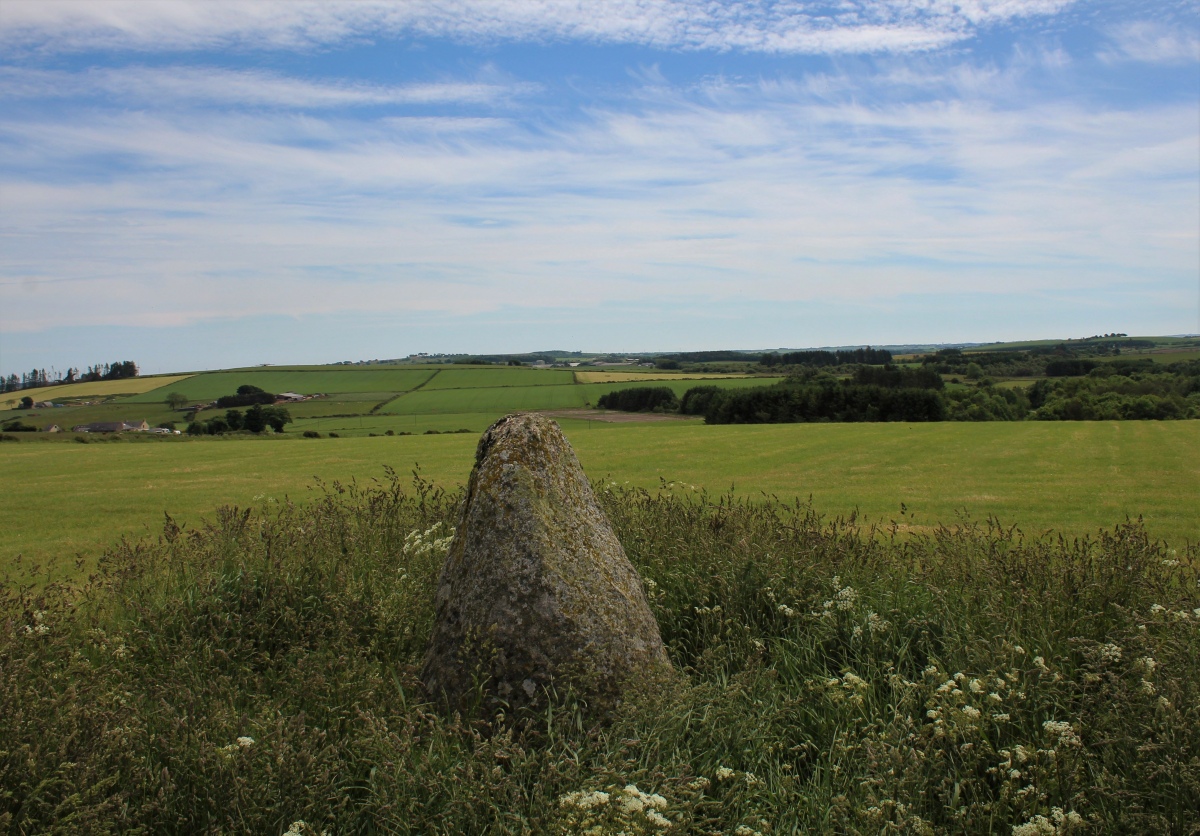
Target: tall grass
260,675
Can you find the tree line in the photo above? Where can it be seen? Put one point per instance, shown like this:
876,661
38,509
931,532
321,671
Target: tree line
38,378
1112,391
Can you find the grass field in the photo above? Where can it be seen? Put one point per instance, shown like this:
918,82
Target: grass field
63,499
97,389
468,378
211,385
626,377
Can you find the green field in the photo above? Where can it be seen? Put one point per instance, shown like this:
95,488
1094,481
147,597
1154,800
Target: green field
469,378
61,499
211,385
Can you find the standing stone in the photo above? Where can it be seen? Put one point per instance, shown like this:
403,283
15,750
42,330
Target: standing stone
536,590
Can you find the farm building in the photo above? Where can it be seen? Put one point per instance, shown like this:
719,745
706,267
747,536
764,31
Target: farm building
112,427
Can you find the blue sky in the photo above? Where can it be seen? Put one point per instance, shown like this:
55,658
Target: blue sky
199,185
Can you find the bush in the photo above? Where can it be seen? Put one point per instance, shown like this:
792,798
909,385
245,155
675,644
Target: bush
640,399
311,434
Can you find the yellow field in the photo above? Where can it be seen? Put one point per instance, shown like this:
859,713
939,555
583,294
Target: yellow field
99,388
626,377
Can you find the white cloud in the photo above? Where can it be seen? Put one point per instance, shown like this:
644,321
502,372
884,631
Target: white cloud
787,26
243,87
1152,43
731,191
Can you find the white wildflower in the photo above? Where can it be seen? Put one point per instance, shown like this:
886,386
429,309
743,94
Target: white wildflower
584,800
751,779
1109,653
1001,718
1148,688
787,611
724,773
851,680
994,697
977,687
245,742
857,632
745,830
876,624
1036,826
971,711
1157,608
657,819
1062,732
1017,649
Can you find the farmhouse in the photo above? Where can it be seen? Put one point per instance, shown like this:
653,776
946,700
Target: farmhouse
112,427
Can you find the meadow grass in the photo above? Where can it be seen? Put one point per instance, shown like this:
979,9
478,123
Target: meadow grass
212,385
260,674
59,499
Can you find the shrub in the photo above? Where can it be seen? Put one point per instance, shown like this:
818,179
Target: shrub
311,434
640,399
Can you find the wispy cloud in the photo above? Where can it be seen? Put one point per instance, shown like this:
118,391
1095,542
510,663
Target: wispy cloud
1152,42
745,191
215,85
786,26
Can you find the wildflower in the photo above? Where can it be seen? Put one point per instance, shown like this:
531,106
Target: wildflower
994,697
1170,563
37,628
1036,826
932,714
1001,718
700,783
930,670
724,773
245,742
977,687
1017,649
876,624
745,830
856,632
657,819
584,800
1157,608
751,779
852,681
787,611
971,711
1109,653
1040,664
1165,703
1148,688
1062,731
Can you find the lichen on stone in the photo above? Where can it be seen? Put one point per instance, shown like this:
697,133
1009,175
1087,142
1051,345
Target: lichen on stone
536,591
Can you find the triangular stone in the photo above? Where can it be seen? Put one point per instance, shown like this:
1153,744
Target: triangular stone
536,591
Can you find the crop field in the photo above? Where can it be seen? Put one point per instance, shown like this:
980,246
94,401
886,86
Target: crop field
97,389
649,374
459,378
211,385
1071,477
